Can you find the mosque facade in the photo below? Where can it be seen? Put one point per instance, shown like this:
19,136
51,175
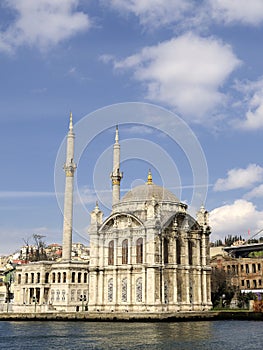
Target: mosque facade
148,255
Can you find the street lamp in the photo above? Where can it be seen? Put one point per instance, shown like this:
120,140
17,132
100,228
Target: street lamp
34,299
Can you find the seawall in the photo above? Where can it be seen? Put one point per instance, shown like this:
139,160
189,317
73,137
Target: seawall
133,317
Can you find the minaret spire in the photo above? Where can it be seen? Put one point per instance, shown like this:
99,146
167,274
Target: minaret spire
71,122
116,175
69,168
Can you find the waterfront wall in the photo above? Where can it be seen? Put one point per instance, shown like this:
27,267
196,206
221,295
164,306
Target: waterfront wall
133,317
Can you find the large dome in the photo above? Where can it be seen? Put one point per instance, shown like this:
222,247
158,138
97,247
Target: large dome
147,192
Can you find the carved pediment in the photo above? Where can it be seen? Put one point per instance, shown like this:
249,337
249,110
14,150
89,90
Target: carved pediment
121,221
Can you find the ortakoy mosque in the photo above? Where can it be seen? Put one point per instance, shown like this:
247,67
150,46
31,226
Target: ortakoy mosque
148,255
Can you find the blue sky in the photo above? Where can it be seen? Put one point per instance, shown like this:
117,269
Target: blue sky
188,66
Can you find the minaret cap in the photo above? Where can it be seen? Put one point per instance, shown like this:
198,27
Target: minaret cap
149,178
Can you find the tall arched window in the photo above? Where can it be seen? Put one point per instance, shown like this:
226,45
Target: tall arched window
110,290
73,277
125,251
139,289
53,277
85,277
165,250
64,277
59,277
124,290
178,252
111,253
139,251
72,295
79,277
46,277
190,252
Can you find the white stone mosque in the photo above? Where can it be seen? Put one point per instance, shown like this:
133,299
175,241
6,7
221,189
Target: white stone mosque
148,255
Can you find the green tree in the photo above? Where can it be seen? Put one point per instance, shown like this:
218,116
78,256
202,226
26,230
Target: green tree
222,291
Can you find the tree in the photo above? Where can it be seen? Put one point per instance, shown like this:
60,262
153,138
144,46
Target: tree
222,291
8,280
243,299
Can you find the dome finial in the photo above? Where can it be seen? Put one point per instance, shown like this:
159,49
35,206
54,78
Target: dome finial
149,178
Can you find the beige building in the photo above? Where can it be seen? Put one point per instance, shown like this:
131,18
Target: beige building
149,254
245,274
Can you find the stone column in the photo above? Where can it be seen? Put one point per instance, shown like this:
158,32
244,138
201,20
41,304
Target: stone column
198,285
203,262
184,273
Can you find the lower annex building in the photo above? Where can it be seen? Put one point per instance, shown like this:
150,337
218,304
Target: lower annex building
149,254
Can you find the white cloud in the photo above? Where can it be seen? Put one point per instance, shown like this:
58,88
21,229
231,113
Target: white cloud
42,23
190,13
154,13
253,102
257,192
249,12
240,178
235,219
186,73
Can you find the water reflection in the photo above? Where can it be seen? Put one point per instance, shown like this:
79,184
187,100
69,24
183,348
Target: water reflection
121,335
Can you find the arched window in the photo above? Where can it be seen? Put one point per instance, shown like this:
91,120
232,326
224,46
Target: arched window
53,277
46,277
64,277
19,278
139,251
139,290
178,252
165,251
79,277
59,277
85,277
111,253
124,290
38,277
125,251
26,278
190,252
73,277
110,290
72,298
32,277
166,292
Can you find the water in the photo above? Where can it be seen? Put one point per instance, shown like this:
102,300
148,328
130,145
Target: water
208,335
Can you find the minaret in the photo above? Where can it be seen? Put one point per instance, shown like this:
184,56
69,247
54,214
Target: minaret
69,168
116,175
